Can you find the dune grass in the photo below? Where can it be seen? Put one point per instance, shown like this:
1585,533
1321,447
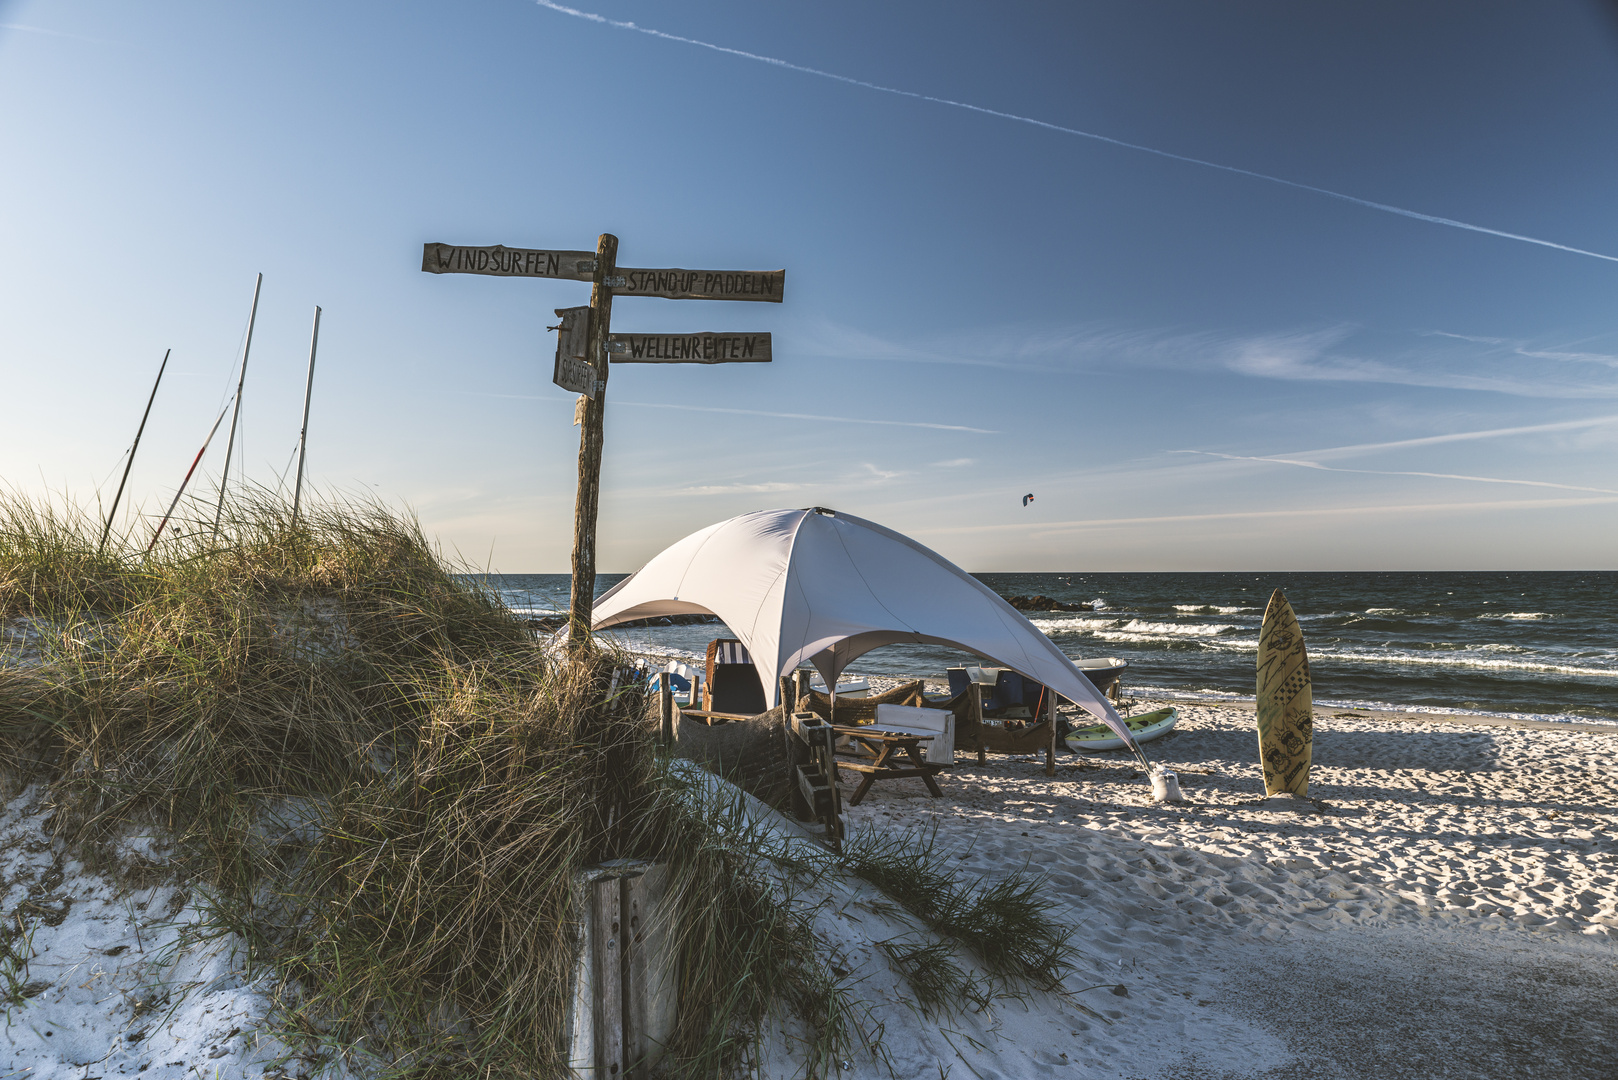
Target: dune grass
384,782
386,786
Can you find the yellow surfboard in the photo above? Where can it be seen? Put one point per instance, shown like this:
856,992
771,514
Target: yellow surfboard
1286,725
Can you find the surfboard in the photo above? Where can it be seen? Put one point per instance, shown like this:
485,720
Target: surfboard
1286,725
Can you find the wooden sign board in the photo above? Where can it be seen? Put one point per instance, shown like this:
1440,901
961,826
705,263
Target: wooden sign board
701,348
574,371
763,285
500,261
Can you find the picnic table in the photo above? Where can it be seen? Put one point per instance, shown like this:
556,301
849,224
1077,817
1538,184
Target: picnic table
882,747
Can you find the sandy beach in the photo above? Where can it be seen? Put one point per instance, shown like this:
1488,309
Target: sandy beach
1451,913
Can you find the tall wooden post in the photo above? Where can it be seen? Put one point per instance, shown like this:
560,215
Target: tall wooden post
975,697
1050,718
590,435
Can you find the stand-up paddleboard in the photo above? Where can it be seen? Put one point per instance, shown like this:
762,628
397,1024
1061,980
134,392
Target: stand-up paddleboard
1285,701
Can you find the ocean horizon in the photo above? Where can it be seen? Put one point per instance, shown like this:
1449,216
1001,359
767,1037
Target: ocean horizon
1521,644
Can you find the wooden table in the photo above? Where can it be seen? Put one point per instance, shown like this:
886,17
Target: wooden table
881,746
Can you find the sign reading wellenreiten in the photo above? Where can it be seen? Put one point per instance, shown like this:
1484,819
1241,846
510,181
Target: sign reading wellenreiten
702,348
501,261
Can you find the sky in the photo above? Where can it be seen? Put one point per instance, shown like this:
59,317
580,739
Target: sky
1235,286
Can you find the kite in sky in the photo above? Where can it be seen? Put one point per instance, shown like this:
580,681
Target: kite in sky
1026,499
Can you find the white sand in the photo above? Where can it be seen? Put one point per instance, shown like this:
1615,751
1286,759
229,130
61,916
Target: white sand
121,980
1453,914
1471,869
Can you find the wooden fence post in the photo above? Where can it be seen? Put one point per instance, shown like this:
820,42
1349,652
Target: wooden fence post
1050,716
975,699
665,701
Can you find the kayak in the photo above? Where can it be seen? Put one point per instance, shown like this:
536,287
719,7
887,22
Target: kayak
1144,726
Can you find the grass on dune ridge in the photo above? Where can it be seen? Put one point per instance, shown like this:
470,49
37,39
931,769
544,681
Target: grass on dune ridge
387,786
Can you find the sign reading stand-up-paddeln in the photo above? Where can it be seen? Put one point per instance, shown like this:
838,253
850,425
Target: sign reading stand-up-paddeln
587,346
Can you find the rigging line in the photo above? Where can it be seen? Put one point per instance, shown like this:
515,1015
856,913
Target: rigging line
1388,208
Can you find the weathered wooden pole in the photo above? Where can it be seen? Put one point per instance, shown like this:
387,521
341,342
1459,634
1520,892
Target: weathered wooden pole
591,431
1050,718
230,445
303,432
130,464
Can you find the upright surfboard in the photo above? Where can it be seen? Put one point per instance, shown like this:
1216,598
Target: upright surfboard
1286,724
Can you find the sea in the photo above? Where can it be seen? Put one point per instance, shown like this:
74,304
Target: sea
1532,645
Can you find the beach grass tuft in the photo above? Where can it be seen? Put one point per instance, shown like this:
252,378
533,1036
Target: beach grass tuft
381,781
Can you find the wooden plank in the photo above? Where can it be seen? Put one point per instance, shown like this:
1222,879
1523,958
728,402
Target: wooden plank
501,261
678,284
665,696
703,347
651,988
574,372
606,904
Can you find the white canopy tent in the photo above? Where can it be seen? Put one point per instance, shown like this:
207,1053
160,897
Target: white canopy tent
815,585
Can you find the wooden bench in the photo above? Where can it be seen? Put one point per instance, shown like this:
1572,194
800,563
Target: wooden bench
880,747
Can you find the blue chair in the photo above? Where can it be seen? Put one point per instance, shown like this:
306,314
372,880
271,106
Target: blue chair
1008,691
959,681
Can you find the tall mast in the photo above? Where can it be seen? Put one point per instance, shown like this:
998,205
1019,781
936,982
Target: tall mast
303,432
252,316
130,464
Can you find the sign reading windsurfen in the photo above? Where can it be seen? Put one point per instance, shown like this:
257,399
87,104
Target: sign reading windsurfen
701,348
501,261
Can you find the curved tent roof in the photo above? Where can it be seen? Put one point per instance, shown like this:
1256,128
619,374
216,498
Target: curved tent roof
826,587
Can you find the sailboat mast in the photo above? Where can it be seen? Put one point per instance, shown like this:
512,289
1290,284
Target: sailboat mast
130,464
303,432
252,316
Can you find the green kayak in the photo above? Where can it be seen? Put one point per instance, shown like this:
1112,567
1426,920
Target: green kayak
1144,726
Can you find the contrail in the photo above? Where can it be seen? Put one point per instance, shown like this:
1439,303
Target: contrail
1384,207
806,416
1393,472
750,412
1467,436
1059,527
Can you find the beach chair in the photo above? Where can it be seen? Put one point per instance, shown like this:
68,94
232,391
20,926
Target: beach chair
731,683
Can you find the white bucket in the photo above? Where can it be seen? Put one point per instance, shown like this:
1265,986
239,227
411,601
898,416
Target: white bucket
1165,786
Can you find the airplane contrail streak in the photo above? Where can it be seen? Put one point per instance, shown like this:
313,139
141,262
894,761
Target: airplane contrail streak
1396,472
748,412
1415,215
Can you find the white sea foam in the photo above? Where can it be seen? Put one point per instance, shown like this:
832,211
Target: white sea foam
1217,609
1098,604
1049,625
1140,626
1384,611
1462,661
1520,615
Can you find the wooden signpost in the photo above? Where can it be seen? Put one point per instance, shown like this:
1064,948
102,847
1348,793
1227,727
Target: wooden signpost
586,344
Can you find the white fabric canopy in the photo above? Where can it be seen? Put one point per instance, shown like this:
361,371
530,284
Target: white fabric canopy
815,585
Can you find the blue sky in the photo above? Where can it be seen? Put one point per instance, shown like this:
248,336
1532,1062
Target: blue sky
1189,368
